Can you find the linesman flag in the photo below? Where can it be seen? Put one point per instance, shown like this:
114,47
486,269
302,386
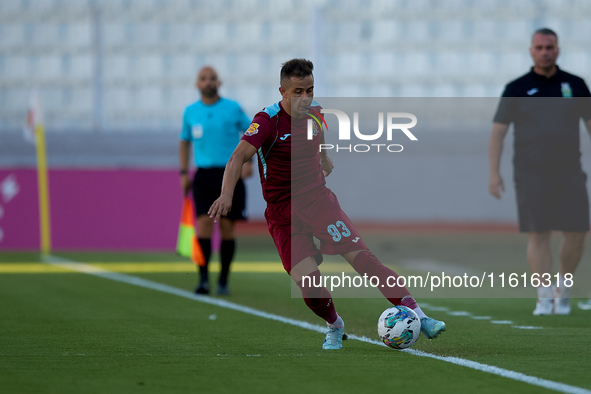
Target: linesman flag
187,244
34,118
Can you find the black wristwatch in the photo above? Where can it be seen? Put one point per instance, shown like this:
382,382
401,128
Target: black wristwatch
184,172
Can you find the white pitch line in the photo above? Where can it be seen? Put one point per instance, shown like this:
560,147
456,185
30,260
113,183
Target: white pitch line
459,313
528,327
501,322
148,284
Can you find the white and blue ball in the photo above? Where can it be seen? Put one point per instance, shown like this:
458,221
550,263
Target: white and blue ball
399,327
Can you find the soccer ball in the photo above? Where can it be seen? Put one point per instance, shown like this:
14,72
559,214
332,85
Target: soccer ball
399,327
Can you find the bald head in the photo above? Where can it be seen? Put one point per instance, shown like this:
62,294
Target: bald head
208,83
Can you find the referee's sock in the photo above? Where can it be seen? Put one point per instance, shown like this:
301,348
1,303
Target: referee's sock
226,256
205,244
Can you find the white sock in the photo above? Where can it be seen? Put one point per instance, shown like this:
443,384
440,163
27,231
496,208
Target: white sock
561,290
337,323
560,281
545,292
419,312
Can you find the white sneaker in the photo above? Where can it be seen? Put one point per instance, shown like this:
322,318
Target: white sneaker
585,305
545,306
561,300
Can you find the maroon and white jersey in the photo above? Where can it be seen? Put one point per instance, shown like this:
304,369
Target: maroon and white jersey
289,163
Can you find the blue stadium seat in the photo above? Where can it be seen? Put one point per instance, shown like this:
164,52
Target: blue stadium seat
16,68
12,36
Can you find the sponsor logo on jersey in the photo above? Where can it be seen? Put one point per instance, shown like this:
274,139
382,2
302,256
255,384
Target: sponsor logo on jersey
356,239
566,89
533,91
284,137
252,129
197,131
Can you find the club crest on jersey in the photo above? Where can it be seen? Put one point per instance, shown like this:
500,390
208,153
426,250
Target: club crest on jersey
252,129
197,131
566,89
315,129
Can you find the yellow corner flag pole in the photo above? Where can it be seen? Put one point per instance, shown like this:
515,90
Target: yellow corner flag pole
43,186
36,128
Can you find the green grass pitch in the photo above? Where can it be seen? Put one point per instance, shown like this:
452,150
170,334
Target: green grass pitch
69,332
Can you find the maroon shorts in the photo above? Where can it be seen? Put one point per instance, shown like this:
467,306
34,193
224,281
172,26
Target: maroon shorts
294,223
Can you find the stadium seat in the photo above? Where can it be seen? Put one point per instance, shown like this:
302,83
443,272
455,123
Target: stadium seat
146,67
145,35
182,34
385,32
81,100
348,90
81,67
41,7
473,90
248,65
484,30
16,68
8,7
510,62
518,31
580,30
444,90
214,34
480,63
451,31
283,33
412,90
381,90
449,63
12,35
383,63
180,98
576,62
48,68
113,34
52,99
348,64
45,35
18,103
183,66
115,67
77,35
415,64
416,31
248,33
116,100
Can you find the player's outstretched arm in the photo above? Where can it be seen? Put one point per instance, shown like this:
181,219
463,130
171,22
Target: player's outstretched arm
495,148
220,207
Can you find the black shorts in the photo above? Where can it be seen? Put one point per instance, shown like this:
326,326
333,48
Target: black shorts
552,202
207,187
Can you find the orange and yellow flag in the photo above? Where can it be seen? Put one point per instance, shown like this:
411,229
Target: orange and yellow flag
187,244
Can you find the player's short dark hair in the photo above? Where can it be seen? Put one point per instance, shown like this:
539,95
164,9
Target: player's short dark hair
547,32
295,68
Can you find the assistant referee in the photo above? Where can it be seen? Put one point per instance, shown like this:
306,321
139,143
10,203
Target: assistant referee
214,126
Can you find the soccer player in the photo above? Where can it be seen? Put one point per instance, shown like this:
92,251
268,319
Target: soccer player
549,181
214,126
300,206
